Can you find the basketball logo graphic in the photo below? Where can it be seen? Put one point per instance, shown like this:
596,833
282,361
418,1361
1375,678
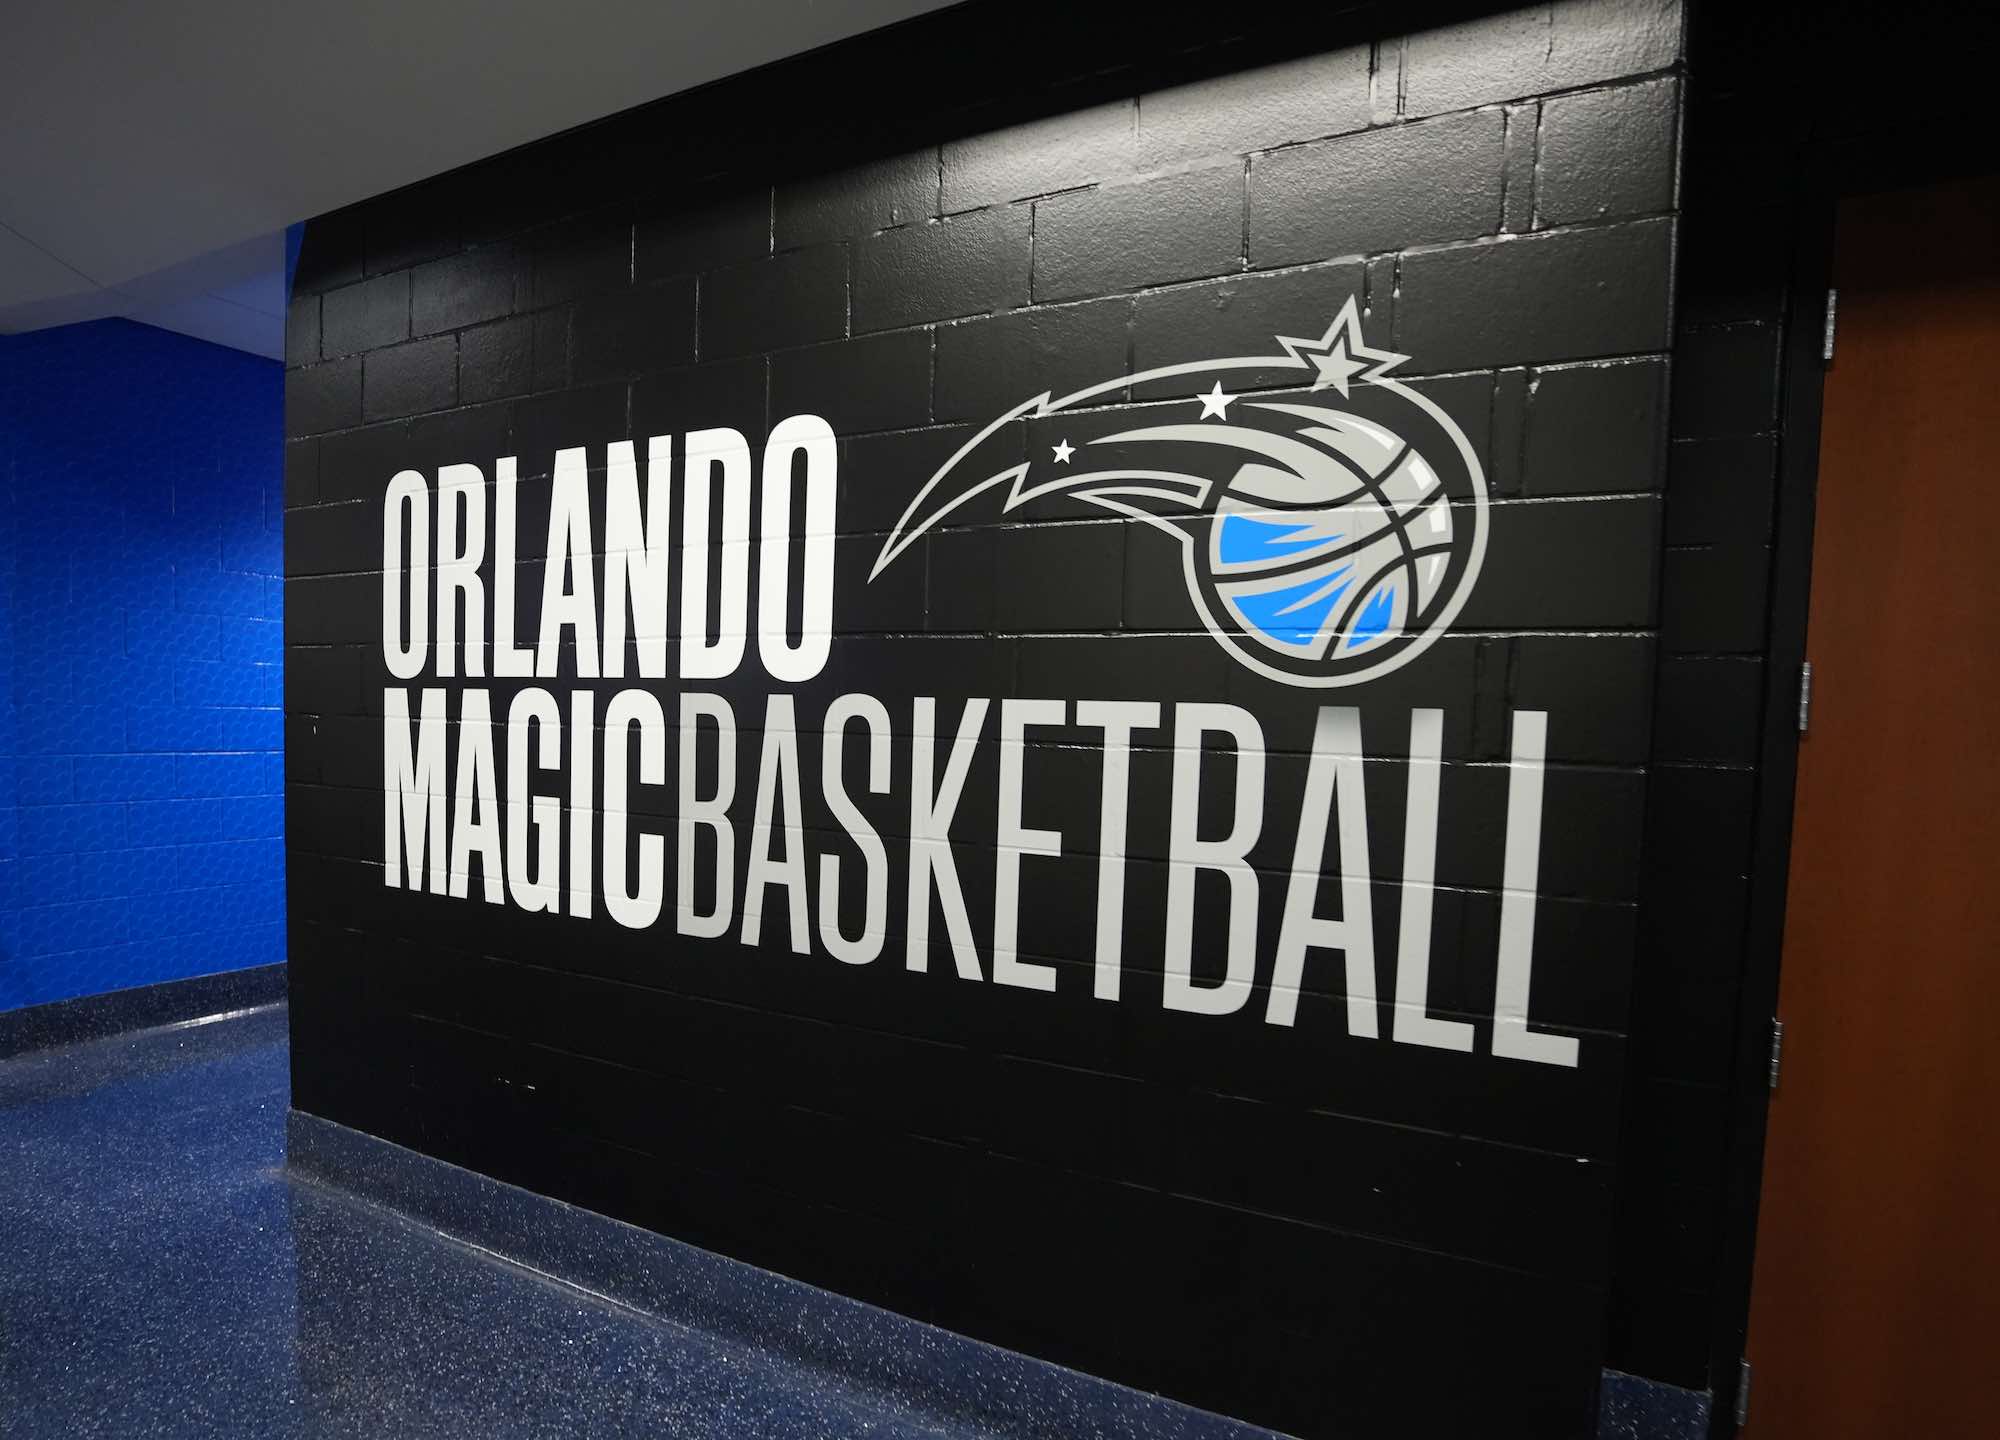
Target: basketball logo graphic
1325,541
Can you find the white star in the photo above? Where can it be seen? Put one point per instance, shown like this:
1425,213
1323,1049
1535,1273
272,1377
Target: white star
1063,452
1340,356
1336,367
1215,403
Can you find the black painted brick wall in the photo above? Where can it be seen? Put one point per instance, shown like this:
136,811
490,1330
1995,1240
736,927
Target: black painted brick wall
1333,1236
1709,712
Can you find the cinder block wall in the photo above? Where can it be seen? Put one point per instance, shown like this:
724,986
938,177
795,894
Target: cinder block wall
140,475
1288,1223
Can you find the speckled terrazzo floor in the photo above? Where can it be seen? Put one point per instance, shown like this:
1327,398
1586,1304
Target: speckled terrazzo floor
162,1275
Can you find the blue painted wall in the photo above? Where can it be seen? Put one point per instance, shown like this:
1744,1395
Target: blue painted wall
141,773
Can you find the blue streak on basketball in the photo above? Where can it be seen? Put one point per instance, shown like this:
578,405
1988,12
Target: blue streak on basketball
1243,539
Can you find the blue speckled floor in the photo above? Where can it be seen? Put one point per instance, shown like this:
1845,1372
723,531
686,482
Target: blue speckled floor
162,1275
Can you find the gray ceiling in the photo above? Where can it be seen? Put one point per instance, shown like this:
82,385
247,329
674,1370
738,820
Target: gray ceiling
152,154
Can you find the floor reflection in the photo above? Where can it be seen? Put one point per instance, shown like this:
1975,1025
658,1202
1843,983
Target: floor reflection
161,1275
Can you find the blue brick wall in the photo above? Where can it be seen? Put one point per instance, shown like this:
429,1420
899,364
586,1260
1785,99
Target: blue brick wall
141,774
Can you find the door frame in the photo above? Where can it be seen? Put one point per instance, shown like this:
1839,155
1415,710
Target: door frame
1826,174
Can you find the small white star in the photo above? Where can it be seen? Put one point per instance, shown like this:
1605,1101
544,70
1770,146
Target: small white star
1063,452
1215,403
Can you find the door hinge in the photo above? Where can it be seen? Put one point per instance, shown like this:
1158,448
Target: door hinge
1826,339
1742,1392
1777,1049
1805,697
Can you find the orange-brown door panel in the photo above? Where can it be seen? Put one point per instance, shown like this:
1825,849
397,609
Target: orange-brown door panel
1875,1309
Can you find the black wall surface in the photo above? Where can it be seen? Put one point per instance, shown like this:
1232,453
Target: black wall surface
910,236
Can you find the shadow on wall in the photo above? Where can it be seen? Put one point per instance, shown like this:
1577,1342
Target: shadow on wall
141,765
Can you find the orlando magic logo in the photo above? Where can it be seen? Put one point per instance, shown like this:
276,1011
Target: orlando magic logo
1323,543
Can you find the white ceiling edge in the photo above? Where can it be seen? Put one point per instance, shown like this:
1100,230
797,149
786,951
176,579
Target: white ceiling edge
234,296
151,162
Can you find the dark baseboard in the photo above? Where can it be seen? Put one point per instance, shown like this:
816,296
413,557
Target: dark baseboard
1631,1407
92,1017
965,1383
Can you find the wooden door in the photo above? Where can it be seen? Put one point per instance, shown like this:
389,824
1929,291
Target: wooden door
1876,1303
